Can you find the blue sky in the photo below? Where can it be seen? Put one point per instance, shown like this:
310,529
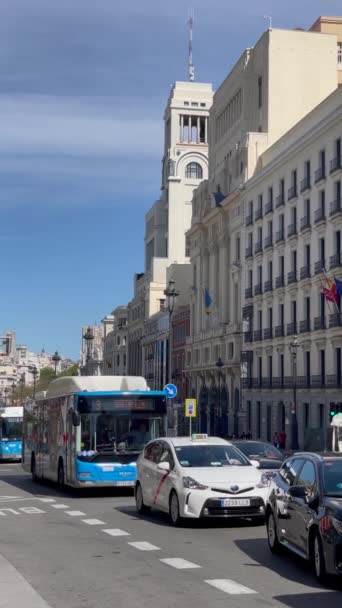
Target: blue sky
83,85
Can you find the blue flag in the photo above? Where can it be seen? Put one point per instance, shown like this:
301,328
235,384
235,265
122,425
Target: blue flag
219,197
338,284
207,301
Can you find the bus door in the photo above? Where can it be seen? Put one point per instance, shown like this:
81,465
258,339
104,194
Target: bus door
70,452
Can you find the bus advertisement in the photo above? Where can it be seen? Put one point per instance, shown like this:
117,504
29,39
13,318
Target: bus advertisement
87,431
11,430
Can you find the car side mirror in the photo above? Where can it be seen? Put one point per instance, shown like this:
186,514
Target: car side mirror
164,466
76,419
255,463
297,491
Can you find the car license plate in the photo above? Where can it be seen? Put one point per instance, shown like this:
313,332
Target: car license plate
235,502
123,483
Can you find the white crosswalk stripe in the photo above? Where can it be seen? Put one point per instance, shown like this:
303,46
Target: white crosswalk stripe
93,522
75,513
116,532
179,563
230,587
144,546
60,506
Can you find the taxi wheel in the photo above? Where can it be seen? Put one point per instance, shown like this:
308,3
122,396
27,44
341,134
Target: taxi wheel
175,518
272,536
318,559
139,500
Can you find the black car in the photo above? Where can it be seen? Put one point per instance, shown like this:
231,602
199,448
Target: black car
304,510
268,456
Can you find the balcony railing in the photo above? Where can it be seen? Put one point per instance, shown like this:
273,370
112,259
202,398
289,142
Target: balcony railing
305,183
292,328
248,292
335,320
280,236
268,207
305,223
258,214
292,277
249,252
291,230
279,331
258,247
319,174
249,219
333,381
258,289
248,336
319,266
335,164
268,286
319,323
268,333
280,200
268,241
280,282
320,215
335,207
305,272
257,335
317,381
292,193
335,261
247,382
305,326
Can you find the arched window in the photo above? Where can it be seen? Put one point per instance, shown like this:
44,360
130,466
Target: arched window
194,171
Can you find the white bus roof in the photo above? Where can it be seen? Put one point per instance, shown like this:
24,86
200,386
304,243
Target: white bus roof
337,420
12,412
76,384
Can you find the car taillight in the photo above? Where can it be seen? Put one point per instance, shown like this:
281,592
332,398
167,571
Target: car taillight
325,524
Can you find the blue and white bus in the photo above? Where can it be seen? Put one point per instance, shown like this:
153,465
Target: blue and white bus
11,430
89,430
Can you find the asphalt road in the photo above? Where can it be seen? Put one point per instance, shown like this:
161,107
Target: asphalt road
93,551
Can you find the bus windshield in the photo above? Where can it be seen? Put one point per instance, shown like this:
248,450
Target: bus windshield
11,429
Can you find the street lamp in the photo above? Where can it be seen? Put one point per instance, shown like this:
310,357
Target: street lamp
34,374
13,389
171,293
294,421
56,359
22,384
6,391
88,336
219,364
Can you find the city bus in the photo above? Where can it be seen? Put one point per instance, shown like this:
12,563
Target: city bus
11,430
87,431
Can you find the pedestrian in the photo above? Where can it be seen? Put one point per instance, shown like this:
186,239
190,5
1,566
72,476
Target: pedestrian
282,438
276,440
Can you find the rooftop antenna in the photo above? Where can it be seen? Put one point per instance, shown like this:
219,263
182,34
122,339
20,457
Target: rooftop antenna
269,18
191,72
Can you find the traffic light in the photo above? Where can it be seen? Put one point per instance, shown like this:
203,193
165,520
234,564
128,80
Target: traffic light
332,410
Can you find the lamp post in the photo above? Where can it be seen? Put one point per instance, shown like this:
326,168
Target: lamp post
171,293
13,389
294,421
219,364
22,384
34,374
56,359
88,336
6,391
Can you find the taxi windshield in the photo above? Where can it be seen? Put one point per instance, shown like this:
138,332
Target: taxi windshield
210,456
332,477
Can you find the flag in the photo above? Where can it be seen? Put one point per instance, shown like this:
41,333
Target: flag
219,197
330,290
338,284
207,301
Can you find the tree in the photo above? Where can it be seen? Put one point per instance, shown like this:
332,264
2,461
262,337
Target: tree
47,374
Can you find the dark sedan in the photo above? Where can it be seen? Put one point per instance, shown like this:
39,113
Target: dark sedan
304,511
268,456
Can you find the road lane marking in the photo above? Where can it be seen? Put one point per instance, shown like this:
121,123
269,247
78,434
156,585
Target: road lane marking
179,563
116,532
47,499
230,587
27,510
75,513
144,546
93,522
59,506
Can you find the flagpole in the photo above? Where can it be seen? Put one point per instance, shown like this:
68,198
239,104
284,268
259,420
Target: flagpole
327,279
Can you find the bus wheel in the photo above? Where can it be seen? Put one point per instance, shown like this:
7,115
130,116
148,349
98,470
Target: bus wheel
60,474
33,468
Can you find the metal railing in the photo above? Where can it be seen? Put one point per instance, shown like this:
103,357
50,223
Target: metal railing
292,193
268,286
305,222
335,164
292,328
305,272
292,277
335,207
320,215
305,183
280,282
280,236
319,174
305,326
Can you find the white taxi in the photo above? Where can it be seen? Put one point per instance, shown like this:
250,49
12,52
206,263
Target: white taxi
199,477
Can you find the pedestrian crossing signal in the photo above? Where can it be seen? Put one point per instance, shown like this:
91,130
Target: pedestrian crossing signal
190,408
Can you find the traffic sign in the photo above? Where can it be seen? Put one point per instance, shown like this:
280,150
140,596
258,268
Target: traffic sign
190,408
170,390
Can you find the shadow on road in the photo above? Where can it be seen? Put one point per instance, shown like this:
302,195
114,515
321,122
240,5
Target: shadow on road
314,600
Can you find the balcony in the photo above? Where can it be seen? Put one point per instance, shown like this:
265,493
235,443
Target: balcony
291,230
279,331
268,333
305,272
268,207
292,193
280,236
258,214
268,241
247,382
280,282
248,293
335,320
335,261
258,289
268,286
248,337
319,323
249,252
305,184
257,335
335,164
319,266
280,200
319,174
333,381
249,219
292,277
335,207
305,326
305,223
320,215
317,381
258,247
303,381
292,328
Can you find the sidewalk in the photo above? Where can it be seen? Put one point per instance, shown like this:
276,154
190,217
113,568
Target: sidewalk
15,590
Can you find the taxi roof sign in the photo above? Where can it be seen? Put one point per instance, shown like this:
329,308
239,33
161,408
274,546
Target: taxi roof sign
199,437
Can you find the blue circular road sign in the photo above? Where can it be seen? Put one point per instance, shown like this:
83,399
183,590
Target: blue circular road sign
170,390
